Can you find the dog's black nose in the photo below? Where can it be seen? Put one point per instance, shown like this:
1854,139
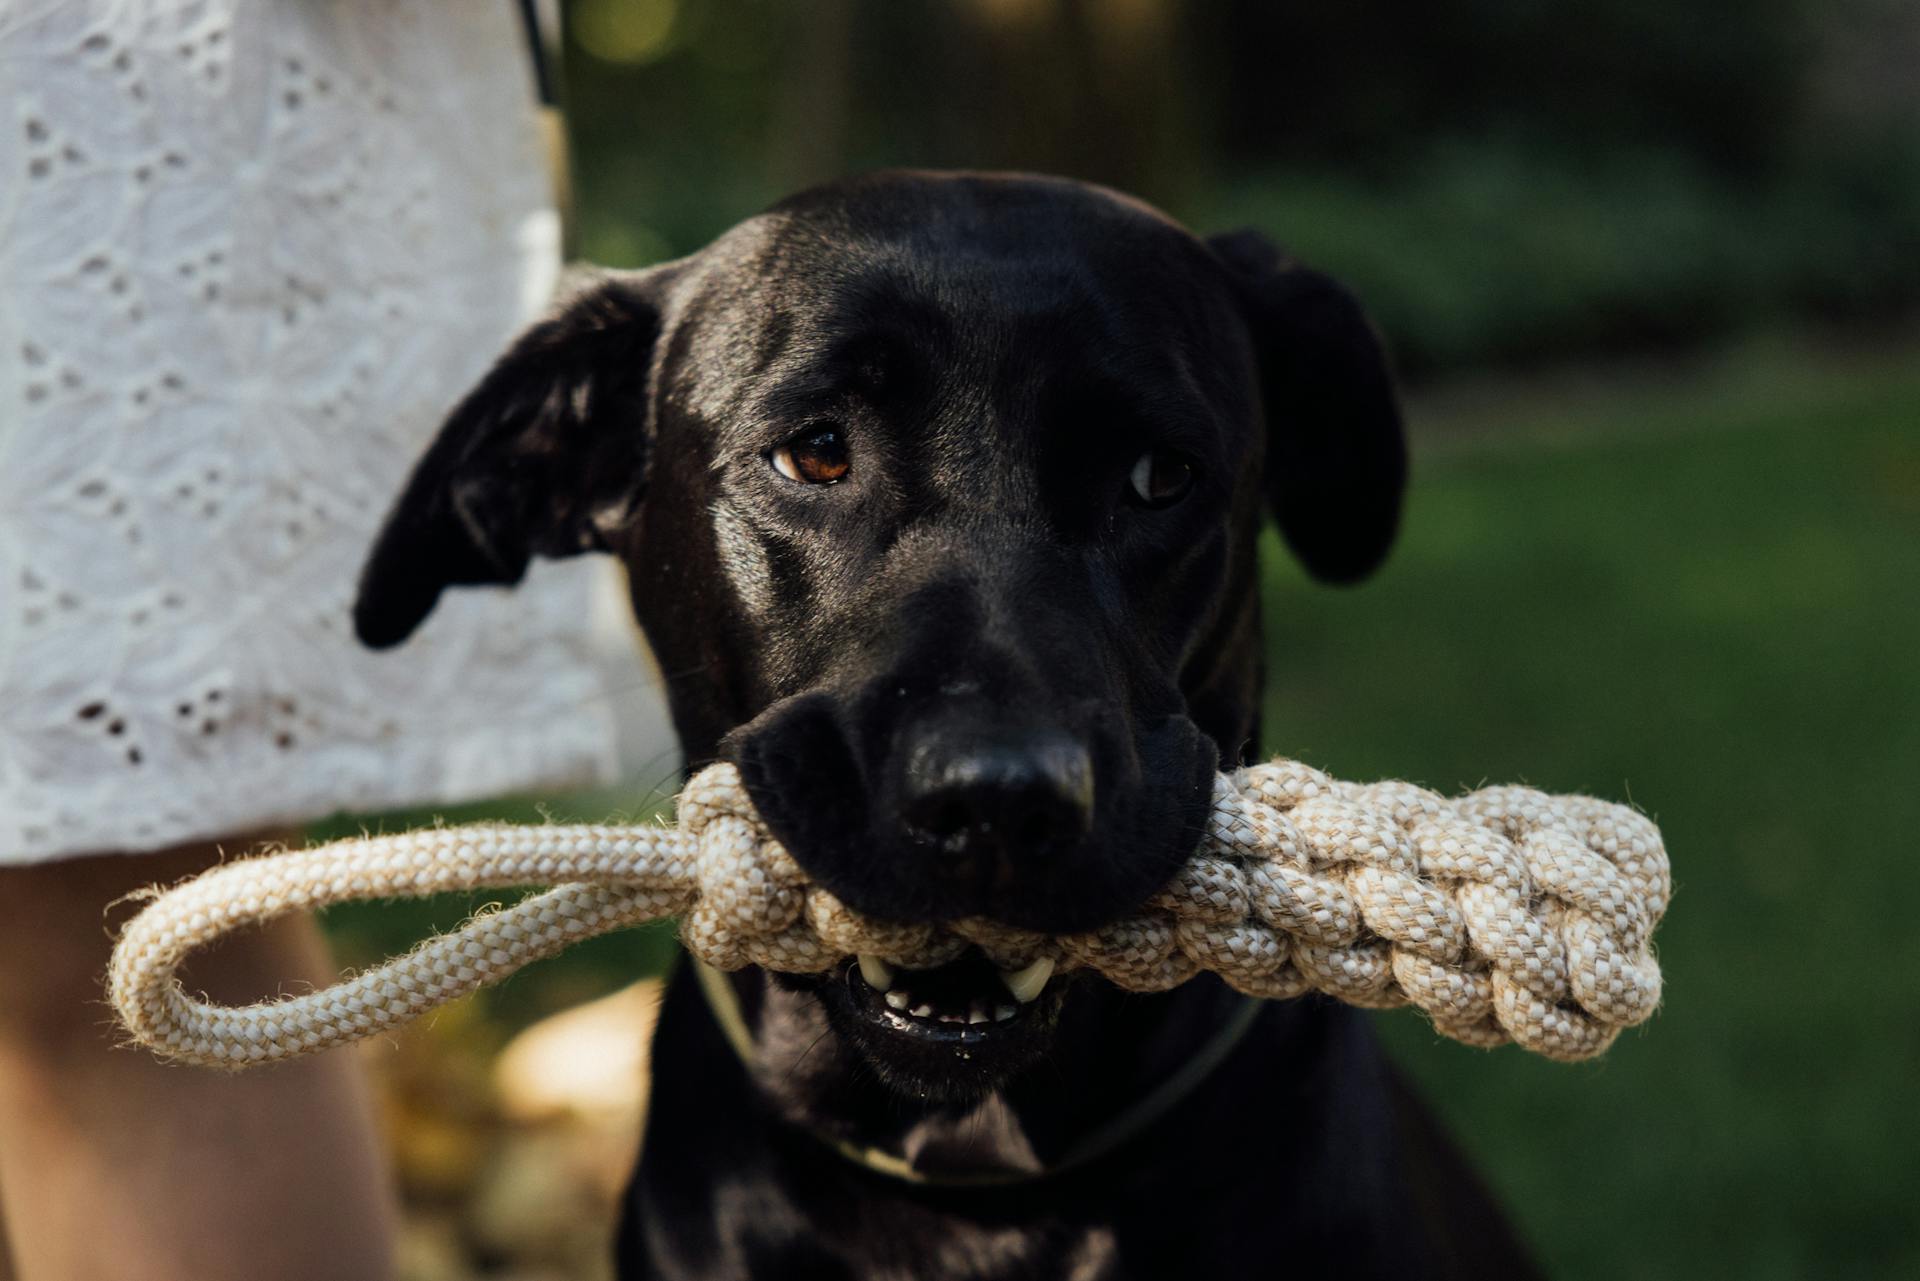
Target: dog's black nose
990,797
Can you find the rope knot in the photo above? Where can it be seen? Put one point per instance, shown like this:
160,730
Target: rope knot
752,893
1507,914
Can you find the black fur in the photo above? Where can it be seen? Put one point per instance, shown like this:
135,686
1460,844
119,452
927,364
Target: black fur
974,677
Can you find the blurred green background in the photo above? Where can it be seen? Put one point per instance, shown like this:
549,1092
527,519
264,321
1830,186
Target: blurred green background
1652,275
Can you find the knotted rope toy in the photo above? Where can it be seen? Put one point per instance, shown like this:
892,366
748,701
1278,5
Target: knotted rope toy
1506,914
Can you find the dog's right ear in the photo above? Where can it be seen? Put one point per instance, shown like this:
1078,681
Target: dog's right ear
543,458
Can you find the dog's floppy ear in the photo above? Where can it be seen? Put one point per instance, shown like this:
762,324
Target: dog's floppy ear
540,459
1336,453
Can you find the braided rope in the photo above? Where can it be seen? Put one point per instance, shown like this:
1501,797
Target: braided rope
1506,914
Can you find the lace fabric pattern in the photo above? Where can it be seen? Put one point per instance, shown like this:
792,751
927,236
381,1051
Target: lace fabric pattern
250,253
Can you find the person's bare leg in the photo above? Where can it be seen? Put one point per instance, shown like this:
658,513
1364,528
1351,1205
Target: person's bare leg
116,1166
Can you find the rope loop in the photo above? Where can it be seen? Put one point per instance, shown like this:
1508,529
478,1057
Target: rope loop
1507,915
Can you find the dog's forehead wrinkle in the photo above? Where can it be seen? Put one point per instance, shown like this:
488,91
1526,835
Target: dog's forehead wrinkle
923,275
979,470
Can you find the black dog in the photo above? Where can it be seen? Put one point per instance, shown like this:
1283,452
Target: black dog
939,495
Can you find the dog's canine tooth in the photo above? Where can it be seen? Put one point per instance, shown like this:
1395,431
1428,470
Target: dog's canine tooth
898,999
1025,984
975,1014
877,973
1001,1013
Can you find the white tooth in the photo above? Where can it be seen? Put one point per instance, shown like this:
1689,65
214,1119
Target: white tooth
1001,1013
976,1015
952,1018
922,1011
898,999
1027,984
877,973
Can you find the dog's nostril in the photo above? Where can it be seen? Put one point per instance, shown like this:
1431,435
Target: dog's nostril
1008,793
940,816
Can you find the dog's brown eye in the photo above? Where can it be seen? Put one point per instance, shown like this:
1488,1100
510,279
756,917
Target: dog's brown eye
1160,478
816,457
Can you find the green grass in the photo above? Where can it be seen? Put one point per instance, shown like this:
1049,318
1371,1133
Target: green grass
1712,608
1701,592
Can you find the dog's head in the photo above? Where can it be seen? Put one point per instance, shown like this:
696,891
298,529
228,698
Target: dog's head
938,495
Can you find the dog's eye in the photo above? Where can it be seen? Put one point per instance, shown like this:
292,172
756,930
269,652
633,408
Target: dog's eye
817,456
1160,478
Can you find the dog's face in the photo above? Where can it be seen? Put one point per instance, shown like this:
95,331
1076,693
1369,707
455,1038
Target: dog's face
938,496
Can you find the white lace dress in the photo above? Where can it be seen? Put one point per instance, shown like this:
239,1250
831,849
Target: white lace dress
250,252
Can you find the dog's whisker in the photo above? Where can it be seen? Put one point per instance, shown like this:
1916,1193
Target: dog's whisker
811,1046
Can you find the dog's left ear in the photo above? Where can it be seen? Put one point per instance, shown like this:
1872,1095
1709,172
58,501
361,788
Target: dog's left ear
1336,451
543,458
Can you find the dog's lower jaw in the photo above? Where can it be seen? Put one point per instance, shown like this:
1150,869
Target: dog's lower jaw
946,1038
1091,1052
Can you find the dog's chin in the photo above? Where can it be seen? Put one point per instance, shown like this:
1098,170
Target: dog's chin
949,1035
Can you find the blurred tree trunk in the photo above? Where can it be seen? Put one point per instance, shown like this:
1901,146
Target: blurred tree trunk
1095,89
807,140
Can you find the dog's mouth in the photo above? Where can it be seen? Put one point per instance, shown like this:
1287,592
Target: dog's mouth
953,1031
963,1002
